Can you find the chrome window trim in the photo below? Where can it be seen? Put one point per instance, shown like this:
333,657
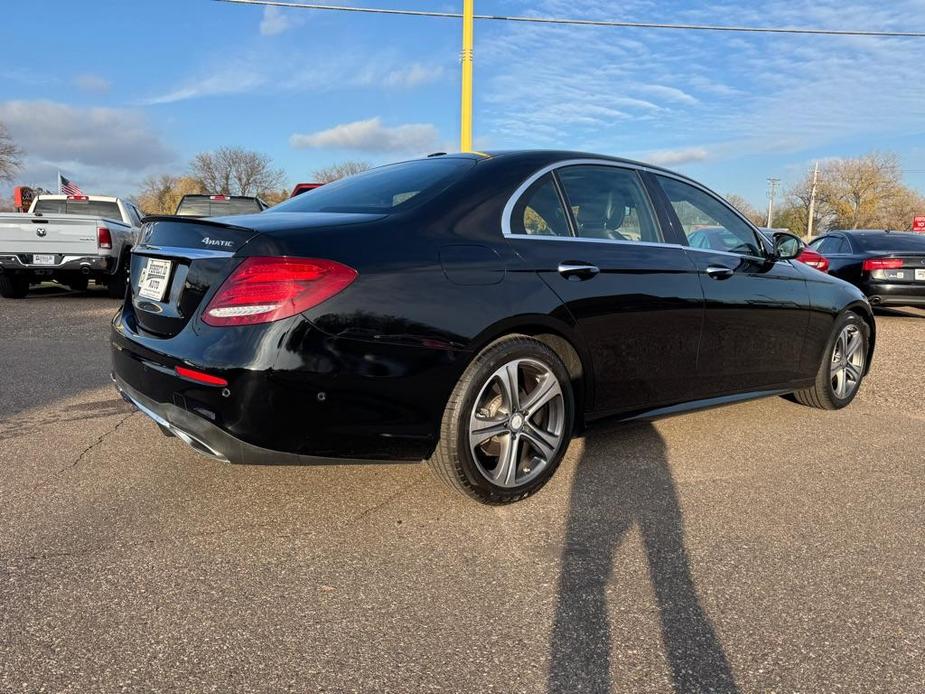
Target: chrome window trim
515,198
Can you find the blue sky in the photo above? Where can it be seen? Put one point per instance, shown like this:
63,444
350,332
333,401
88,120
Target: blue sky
120,89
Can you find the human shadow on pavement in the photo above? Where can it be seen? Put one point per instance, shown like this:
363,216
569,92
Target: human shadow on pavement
623,480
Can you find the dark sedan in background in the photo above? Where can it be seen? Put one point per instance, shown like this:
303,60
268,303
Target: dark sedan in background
474,310
888,266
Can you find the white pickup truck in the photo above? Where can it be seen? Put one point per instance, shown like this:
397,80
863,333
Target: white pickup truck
70,239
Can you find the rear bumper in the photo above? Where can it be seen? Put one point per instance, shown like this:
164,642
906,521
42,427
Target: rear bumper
209,440
318,400
66,263
905,294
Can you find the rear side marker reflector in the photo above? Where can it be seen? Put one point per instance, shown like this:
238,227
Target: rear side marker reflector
200,377
262,290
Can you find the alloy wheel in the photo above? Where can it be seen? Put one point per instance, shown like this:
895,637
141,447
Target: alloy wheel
517,422
847,361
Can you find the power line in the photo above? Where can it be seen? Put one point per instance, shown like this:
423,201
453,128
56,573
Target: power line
584,22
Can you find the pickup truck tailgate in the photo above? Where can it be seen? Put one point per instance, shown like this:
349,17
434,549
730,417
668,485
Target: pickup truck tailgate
61,234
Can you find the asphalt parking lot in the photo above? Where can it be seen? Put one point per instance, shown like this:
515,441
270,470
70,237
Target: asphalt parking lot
759,547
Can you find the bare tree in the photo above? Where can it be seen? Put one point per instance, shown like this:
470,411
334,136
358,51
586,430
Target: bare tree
236,171
341,170
10,156
857,193
161,194
746,208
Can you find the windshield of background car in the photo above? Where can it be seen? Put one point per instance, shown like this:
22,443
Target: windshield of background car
93,208
382,190
899,243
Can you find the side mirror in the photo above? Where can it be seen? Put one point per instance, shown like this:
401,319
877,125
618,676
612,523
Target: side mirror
787,246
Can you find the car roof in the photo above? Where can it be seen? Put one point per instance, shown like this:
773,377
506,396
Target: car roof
871,232
95,198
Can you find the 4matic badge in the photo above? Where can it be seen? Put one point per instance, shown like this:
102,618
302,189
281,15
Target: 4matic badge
217,242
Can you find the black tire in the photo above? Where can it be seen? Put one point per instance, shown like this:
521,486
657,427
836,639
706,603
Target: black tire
453,461
822,394
78,284
13,287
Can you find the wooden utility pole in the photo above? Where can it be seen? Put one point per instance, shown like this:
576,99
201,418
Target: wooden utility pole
812,203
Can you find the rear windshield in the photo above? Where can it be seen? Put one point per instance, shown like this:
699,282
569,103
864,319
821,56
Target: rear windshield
204,207
93,208
896,242
382,190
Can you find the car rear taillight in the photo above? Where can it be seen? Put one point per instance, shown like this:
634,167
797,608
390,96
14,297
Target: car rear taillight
882,264
219,198
813,259
78,198
261,290
103,238
200,376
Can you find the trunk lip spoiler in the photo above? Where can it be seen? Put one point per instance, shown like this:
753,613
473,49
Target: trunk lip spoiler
181,252
195,220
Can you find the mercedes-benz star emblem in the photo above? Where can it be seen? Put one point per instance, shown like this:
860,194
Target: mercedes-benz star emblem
40,232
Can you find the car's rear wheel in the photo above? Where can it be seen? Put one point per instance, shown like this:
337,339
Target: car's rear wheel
843,366
508,422
13,287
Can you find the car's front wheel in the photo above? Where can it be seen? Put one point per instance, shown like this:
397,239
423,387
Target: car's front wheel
843,366
508,422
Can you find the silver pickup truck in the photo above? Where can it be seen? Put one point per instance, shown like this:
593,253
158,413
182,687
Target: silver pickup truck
70,239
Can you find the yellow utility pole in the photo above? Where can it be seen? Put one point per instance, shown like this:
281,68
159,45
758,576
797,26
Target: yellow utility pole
465,121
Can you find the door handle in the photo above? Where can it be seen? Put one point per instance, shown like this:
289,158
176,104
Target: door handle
577,269
720,272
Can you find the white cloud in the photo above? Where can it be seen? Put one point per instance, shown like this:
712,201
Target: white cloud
371,136
92,83
667,93
99,146
276,21
413,76
676,157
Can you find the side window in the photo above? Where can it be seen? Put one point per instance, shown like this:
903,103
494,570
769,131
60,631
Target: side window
842,246
708,222
609,203
829,245
539,211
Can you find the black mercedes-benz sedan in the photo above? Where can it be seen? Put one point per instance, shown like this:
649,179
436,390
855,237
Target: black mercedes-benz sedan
888,266
476,311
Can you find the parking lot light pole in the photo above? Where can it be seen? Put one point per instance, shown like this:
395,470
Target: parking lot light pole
465,120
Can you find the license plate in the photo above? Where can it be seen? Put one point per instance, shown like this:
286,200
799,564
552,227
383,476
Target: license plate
920,274
43,259
153,282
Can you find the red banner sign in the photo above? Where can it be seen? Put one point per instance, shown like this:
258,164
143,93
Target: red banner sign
23,196
918,224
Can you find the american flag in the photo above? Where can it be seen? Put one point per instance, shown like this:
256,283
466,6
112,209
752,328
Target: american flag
67,186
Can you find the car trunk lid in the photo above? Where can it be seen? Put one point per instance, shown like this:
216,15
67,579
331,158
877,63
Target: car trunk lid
177,263
897,267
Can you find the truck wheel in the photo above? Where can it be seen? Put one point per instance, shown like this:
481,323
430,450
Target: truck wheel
12,287
118,282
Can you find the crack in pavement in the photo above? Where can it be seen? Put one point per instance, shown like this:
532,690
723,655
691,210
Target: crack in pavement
85,451
184,539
